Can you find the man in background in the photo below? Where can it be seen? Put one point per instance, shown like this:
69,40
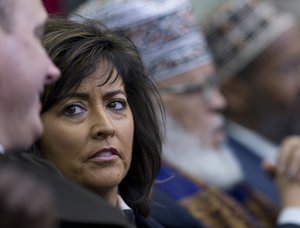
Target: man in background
195,154
195,159
257,54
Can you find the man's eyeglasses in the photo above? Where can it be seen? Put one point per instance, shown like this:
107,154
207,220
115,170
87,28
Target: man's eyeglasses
205,89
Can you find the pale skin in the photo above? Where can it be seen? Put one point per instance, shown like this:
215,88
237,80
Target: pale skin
25,68
288,172
195,111
89,135
24,201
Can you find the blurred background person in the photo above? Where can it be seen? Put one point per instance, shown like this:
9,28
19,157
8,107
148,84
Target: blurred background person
257,54
177,58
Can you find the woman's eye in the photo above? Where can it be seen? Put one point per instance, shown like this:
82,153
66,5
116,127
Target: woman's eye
117,105
73,110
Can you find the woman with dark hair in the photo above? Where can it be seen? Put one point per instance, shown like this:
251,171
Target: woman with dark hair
102,117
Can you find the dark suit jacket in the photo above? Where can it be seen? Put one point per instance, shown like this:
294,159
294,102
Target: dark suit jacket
75,206
288,226
169,213
255,176
141,222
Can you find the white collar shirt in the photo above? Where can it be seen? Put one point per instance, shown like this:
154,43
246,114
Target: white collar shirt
260,146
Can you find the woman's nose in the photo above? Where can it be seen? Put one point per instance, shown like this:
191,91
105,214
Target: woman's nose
102,126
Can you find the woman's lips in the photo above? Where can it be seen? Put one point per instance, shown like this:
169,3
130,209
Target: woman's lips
105,154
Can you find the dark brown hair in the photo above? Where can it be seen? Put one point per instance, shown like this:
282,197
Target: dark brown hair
77,48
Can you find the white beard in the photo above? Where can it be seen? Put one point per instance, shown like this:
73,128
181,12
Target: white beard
217,167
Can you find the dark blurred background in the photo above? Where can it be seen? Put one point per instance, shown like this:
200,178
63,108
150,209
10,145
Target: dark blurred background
61,6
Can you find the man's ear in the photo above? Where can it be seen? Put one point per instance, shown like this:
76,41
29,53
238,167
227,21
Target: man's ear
237,94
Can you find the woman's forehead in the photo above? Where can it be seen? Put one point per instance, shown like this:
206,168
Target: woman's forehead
100,80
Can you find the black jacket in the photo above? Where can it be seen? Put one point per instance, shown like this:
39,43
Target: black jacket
169,213
75,206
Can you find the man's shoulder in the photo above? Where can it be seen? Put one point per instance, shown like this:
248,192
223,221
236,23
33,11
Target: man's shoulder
76,206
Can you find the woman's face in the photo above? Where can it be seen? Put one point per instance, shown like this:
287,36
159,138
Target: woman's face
89,135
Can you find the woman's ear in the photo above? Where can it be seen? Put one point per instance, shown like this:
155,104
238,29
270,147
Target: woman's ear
237,94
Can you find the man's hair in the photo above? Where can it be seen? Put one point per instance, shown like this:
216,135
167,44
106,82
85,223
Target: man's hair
77,49
7,10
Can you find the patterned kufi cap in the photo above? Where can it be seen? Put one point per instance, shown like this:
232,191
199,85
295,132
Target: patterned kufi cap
164,31
239,30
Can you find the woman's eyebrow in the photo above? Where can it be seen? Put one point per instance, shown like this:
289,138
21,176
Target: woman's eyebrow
82,96
85,96
113,93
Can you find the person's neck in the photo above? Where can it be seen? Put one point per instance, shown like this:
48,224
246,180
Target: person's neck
110,196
